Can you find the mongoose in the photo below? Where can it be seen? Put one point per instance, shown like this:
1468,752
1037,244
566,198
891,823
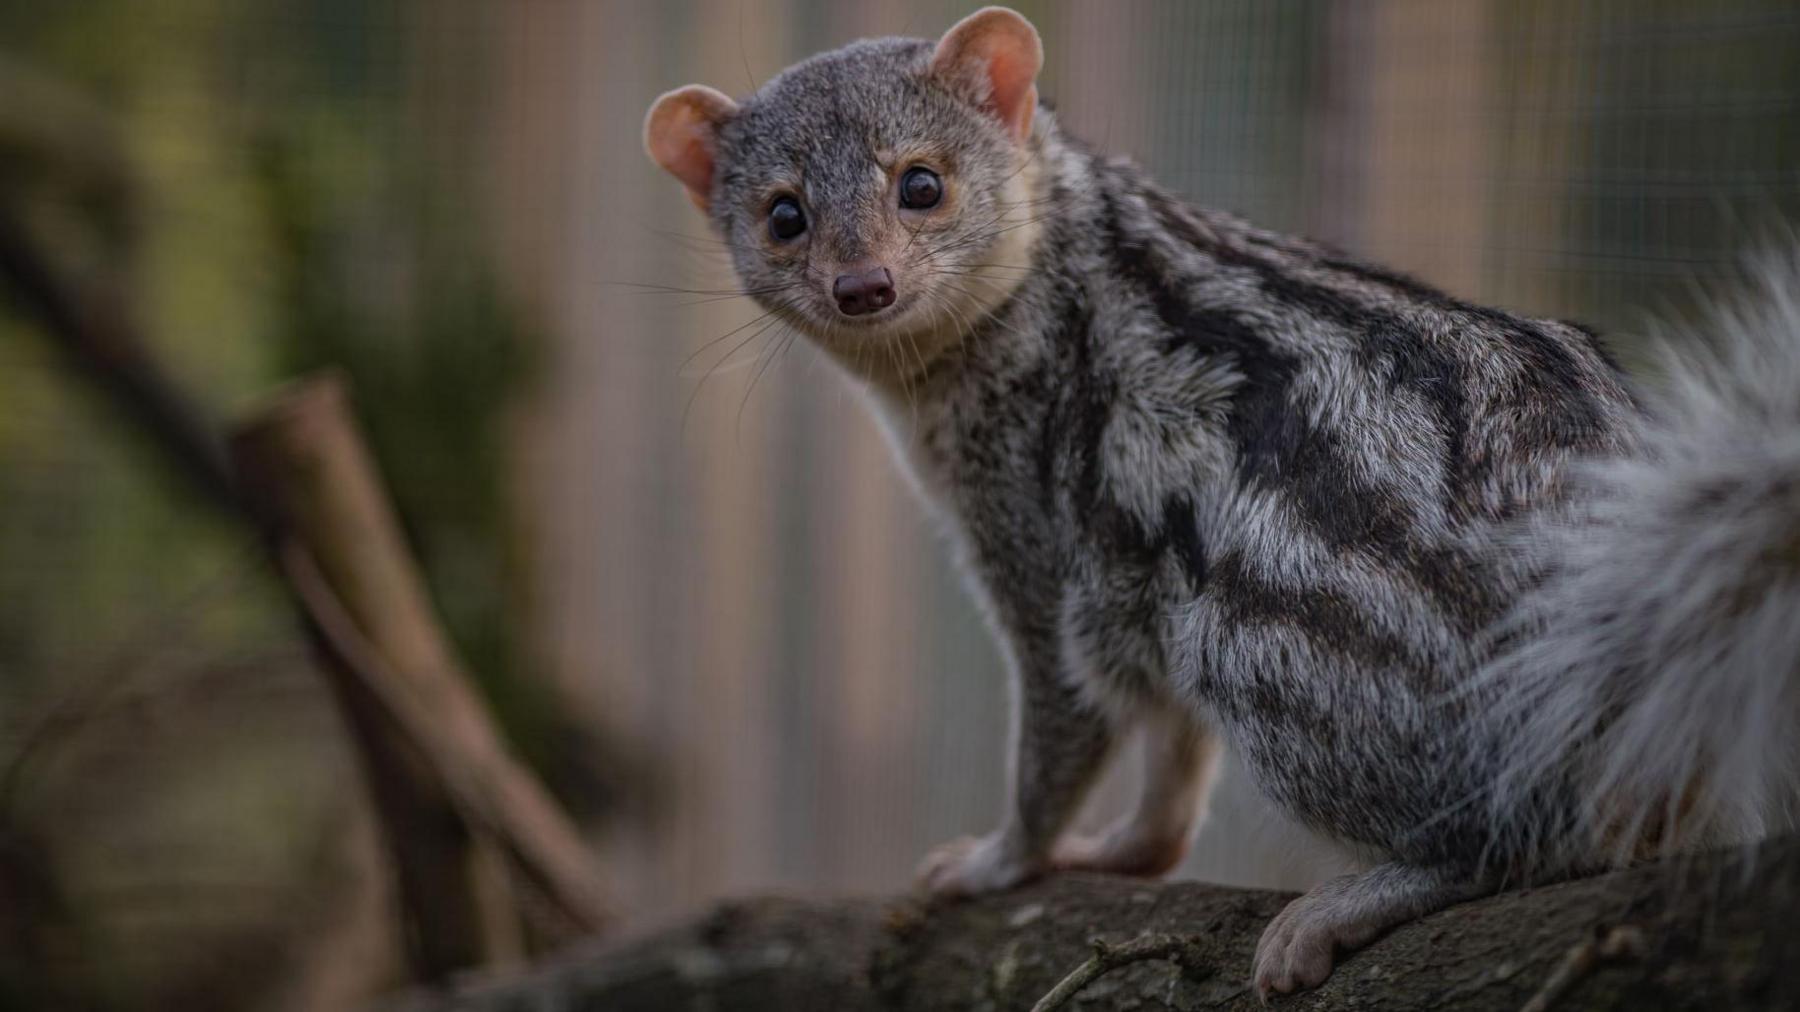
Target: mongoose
1458,593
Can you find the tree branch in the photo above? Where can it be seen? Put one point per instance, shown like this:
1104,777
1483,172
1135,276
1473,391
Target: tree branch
302,464
1186,951
437,770
1708,932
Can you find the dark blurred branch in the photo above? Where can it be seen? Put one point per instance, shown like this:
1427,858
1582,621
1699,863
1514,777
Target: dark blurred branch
1714,931
55,143
35,923
302,460
93,330
428,785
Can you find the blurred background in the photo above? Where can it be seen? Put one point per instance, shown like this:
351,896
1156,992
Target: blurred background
683,575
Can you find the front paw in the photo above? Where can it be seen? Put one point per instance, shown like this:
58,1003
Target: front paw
1346,913
1299,947
971,866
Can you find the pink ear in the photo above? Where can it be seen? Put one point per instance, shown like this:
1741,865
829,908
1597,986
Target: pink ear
999,48
681,134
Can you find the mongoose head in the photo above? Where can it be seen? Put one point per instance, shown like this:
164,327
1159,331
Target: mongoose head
879,197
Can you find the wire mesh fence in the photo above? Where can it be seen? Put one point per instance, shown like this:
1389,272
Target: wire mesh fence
700,549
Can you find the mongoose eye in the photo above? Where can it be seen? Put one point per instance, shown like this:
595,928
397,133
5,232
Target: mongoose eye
786,220
920,189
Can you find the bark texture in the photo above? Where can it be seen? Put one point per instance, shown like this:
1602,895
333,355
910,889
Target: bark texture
1716,931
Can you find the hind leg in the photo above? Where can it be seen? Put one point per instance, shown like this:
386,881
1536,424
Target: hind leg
1180,755
1300,946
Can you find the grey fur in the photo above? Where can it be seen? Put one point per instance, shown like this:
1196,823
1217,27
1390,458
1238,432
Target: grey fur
1198,469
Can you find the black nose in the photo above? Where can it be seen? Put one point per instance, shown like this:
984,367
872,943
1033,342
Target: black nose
863,291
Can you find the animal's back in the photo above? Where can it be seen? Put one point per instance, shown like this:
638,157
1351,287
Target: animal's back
1383,439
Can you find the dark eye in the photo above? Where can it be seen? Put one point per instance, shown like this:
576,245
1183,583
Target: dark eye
786,220
920,188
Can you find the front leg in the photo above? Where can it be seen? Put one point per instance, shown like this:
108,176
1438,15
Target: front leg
1059,746
1300,945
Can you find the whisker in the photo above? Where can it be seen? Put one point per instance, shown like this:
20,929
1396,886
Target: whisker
779,347
979,272
713,299
652,289
690,237
735,330
688,408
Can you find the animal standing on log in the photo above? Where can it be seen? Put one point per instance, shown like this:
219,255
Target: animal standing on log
1459,596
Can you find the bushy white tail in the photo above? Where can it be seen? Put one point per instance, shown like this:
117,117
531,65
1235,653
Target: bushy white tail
1648,696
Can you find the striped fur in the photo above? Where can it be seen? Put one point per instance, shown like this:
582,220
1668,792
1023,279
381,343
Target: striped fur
1257,476
1419,562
